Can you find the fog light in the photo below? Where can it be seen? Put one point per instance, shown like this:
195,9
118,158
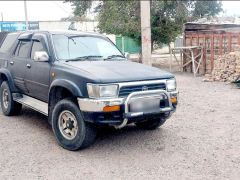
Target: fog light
111,108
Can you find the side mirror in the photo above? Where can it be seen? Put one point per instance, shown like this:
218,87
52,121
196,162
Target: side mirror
41,56
127,55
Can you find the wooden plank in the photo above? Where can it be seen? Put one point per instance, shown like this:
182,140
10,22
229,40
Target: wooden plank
221,45
184,57
204,55
229,42
197,27
212,52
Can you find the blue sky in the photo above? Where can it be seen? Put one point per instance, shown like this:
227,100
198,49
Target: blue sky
55,10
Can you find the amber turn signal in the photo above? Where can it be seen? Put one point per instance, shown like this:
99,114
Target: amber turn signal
174,100
111,108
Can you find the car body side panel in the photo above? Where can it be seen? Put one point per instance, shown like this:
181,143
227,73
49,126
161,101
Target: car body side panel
67,84
6,72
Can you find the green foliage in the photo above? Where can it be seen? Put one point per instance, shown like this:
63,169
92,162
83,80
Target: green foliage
120,17
167,17
206,8
80,6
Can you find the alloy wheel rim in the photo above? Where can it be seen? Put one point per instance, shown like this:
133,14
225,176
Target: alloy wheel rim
68,125
5,98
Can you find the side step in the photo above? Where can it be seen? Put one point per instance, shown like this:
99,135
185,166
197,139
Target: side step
32,103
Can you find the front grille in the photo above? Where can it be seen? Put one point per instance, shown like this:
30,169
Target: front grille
126,90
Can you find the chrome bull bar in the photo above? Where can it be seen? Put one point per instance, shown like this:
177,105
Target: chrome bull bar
144,94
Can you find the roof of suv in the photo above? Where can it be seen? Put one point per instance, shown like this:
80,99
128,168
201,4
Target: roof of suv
63,32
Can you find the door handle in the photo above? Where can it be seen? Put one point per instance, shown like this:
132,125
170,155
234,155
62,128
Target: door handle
28,66
11,62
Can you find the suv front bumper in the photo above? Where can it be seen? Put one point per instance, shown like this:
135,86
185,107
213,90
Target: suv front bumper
96,106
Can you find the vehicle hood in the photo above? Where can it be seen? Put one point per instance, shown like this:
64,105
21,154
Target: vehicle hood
119,71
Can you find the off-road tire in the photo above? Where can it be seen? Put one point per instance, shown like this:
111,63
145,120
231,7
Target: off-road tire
13,107
151,124
86,132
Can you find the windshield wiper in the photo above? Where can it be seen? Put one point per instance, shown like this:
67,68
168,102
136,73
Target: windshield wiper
114,56
82,58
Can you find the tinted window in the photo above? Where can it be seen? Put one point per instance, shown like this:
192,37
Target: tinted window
23,49
37,46
8,42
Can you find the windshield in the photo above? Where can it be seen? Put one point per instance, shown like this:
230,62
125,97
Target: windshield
84,47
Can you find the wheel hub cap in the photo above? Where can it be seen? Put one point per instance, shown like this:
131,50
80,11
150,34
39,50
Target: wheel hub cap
5,98
67,124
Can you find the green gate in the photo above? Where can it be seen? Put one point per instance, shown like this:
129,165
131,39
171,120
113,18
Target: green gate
127,44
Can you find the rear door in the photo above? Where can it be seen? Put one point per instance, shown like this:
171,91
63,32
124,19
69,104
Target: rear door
38,73
17,63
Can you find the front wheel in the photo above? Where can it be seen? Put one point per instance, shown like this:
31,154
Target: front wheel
151,124
9,107
69,127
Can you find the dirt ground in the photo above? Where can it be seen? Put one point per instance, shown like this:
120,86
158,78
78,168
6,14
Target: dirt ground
200,141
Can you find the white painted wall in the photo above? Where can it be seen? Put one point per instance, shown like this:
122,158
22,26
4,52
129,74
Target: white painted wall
80,26
59,25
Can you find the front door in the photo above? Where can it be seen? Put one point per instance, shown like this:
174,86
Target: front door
37,74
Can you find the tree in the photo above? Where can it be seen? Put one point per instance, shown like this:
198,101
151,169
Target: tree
120,17
167,17
80,6
206,8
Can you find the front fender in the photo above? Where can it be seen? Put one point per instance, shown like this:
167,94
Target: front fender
72,87
8,75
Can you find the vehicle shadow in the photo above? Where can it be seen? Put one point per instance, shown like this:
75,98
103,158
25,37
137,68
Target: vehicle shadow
130,138
108,138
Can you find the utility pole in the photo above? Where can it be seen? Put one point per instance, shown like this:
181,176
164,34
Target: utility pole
146,32
2,21
26,15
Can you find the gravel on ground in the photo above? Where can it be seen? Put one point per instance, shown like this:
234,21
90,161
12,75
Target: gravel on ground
200,141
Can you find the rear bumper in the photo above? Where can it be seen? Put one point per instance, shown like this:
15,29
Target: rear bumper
93,108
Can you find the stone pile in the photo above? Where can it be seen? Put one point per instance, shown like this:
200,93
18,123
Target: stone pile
226,68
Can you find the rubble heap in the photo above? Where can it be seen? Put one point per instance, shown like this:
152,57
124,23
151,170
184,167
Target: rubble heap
226,68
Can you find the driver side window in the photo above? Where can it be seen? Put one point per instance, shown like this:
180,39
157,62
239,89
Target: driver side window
23,49
37,46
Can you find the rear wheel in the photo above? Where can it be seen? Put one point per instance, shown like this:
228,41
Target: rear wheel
69,127
9,107
151,124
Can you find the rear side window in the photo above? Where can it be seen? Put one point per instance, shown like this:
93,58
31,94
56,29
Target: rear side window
8,42
23,49
37,46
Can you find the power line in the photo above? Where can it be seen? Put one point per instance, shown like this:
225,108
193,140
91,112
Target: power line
61,7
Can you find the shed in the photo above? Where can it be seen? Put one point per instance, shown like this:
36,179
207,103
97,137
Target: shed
216,39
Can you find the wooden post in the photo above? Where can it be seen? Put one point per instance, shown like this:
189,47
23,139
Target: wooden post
181,59
191,70
171,57
229,43
204,54
221,44
184,44
193,62
212,52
